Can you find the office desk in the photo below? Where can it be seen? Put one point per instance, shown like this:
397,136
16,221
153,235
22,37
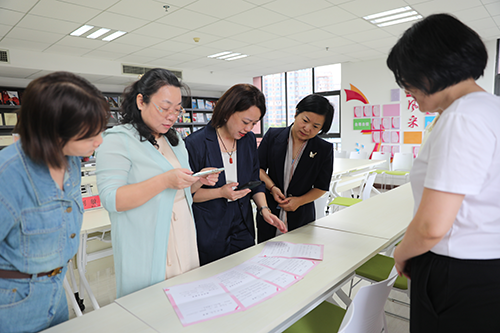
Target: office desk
343,253
111,318
386,215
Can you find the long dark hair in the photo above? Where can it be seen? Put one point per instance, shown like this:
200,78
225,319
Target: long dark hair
57,108
147,86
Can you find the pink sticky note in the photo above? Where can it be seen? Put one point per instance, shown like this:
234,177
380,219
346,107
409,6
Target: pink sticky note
386,123
396,122
376,137
395,149
391,110
395,136
358,112
376,123
386,149
415,151
376,111
386,137
367,110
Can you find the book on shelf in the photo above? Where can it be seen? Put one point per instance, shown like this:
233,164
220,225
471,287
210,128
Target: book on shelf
10,119
116,101
209,105
183,131
186,118
194,105
198,117
208,116
10,97
201,103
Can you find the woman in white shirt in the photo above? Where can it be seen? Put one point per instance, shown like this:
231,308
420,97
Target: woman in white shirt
451,249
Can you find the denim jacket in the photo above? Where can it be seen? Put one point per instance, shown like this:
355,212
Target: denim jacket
39,223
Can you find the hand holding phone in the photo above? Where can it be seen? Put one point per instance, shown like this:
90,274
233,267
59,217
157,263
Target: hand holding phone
250,185
208,172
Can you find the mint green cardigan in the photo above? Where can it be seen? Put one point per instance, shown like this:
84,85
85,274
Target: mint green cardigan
140,235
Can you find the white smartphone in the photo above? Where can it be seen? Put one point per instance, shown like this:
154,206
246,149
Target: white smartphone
208,172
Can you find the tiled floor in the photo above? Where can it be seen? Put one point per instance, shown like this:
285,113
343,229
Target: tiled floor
101,277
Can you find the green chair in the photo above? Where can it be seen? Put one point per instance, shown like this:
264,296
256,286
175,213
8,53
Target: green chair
367,187
365,314
378,269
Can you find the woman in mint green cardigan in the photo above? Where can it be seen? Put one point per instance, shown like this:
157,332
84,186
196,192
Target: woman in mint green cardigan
145,183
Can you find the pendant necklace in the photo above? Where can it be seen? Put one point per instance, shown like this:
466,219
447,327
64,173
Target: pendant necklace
227,151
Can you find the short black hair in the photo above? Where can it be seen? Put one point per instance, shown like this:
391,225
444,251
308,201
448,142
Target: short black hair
436,53
147,86
238,98
320,105
57,108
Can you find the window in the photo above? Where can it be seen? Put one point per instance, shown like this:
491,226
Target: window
273,87
299,84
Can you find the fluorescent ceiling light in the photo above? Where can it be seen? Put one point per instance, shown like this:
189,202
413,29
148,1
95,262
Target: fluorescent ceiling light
219,54
80,31
114,35
393,17
237,57
408,19
98,33
228,56
389,12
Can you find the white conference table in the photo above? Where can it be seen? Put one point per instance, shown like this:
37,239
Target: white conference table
111,318
343,253
385,216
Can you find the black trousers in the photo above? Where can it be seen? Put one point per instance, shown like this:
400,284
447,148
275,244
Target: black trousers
454,295
234,237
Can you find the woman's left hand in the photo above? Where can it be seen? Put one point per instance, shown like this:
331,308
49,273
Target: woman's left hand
290,204
209,180
402,266
274,220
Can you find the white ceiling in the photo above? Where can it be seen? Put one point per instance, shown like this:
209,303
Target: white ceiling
278,35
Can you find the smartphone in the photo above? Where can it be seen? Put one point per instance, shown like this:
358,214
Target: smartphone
208,172
250,185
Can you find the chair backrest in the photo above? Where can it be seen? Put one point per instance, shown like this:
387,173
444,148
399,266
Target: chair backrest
320,205
368,185
367,313
402,162
378,155
358,155
339,154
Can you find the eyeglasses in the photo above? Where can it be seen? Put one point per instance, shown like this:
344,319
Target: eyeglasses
177,113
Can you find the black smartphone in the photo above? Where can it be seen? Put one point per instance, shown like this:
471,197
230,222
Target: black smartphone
250,185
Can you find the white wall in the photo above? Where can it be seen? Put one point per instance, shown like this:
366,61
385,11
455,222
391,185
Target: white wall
374,79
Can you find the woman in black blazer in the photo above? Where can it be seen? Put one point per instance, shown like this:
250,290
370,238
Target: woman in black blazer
223,216
296,165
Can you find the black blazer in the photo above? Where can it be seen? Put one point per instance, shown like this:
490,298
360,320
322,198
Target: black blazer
313,171
204,151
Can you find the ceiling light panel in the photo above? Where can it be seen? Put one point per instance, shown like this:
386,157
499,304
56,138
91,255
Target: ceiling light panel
228,55
91,32
395,16
80,31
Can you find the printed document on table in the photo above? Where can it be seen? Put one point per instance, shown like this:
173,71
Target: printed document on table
291,250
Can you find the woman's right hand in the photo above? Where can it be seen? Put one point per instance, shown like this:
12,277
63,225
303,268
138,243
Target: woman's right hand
228,192
179,178
278,196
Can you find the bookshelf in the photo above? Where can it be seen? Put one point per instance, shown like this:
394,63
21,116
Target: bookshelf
9,104
198,113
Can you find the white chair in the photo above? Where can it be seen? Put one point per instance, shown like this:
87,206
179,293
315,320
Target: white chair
364,315
358,155
321,205
401,166
339,154
383,168
366,190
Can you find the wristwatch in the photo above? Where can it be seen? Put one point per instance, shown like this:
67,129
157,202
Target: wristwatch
263,207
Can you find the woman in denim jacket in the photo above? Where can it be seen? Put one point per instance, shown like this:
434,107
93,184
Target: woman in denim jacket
62,116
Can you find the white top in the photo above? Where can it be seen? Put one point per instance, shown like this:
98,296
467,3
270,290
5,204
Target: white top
230,169
462,155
